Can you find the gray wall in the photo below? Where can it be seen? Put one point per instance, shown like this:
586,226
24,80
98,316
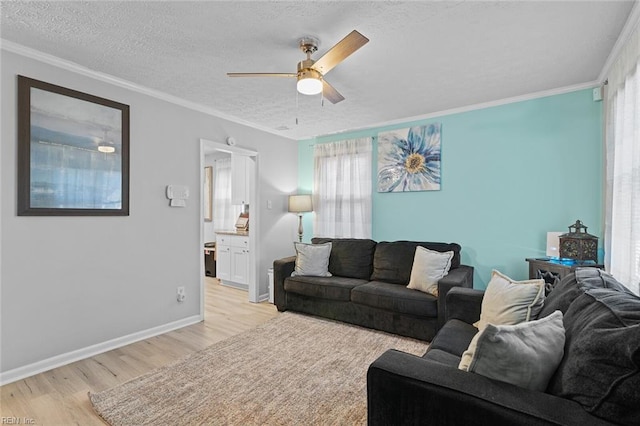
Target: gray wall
70,283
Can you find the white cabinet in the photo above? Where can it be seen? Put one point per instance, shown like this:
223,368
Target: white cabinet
239,265
223,254
232,266
240,179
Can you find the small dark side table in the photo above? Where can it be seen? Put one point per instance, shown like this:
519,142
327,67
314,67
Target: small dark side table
552,271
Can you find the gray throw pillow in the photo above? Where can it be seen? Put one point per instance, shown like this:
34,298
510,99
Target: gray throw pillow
312,259
428,268
525,354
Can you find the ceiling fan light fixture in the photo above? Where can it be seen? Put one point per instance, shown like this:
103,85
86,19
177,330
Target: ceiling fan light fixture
309,82
310,75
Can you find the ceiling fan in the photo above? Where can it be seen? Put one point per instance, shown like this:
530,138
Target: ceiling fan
311,73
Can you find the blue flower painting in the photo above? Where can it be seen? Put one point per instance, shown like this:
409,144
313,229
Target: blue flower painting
409,159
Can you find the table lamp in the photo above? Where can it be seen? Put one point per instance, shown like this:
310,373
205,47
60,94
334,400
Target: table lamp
300,204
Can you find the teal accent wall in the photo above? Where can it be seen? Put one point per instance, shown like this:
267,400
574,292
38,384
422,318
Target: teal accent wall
510,174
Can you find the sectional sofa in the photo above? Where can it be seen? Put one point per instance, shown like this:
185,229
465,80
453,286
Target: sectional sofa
597,381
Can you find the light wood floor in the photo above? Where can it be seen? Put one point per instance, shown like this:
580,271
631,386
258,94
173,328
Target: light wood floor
59,396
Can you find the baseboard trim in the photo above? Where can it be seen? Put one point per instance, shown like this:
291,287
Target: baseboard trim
38,367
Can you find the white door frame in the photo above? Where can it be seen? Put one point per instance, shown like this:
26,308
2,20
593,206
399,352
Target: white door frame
254,257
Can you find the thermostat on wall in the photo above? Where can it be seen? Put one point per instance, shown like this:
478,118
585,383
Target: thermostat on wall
177,194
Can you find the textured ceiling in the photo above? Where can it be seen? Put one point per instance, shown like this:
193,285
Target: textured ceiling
423,57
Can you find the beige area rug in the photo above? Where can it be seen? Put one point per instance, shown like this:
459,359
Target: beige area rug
292,370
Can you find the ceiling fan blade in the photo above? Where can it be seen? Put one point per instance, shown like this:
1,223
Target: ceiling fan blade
330,93
261,74
338,53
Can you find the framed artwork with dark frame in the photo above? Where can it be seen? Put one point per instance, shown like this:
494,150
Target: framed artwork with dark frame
73,152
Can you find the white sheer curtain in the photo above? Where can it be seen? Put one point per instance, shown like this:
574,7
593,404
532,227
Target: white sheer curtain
342,189
224,213
622,223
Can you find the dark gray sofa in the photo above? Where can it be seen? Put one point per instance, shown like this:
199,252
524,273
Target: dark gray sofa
597,382
368,287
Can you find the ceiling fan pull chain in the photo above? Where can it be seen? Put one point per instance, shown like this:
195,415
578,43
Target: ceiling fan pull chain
297,109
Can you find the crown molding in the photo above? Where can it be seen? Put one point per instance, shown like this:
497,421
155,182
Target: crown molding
28,52
472,107
632,22
72,66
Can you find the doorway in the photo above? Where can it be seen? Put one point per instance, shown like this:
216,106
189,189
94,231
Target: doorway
221,150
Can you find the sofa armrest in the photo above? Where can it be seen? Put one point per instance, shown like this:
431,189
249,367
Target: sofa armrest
406,389
282,268
464,304
462,276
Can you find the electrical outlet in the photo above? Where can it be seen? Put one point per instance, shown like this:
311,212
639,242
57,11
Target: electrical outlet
181,295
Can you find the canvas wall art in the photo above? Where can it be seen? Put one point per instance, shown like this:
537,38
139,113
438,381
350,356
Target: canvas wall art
409,159
73,152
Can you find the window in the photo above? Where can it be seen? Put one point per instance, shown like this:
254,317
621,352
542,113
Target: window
342,189
224,213
622,224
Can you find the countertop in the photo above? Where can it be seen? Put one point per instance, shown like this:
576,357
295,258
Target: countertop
234,232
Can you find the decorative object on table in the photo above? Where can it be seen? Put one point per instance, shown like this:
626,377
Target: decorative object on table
300,204
553,244
242,224
579,245
409,159
208,194
73,152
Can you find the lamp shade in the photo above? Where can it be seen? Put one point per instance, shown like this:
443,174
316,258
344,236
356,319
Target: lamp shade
300,203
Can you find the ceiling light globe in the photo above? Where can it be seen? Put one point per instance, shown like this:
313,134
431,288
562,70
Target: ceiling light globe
309,86
107,149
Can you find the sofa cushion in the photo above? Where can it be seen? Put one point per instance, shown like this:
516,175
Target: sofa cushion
395,298
312,259
454,337
392,261
509,302
525,354
428,268
573,285
350,257
332,288
601,367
